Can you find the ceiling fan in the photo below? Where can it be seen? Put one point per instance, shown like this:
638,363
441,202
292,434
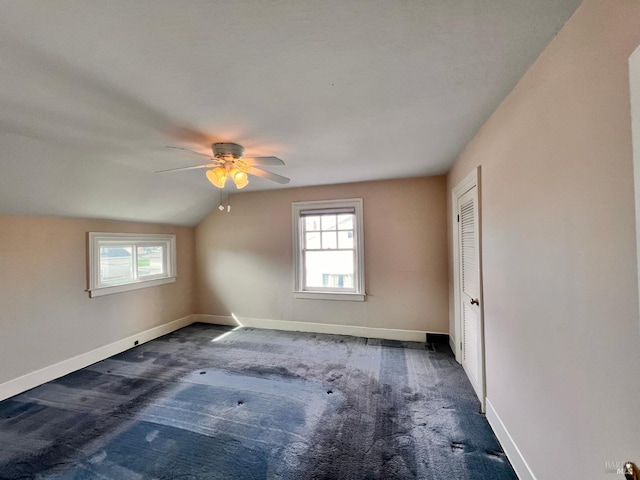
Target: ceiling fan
227,162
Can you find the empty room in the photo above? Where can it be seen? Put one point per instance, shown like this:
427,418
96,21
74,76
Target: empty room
299,239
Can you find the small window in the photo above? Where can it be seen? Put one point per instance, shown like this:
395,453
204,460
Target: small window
329,253
120,262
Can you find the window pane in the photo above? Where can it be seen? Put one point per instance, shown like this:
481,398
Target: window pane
150,260
345,239
329,240
312,223
336,280
345,222
313,240
328,222
329,269
116,265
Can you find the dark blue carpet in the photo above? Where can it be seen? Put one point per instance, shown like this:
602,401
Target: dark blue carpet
207,402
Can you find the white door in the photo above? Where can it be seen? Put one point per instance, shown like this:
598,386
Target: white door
470,311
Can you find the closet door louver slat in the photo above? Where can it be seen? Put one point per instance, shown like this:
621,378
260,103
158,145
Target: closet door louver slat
469,253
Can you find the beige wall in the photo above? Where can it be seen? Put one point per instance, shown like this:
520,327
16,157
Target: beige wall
45,314
560,288
245,263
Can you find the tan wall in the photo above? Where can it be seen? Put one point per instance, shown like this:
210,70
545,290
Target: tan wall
45,314
245,259
561,307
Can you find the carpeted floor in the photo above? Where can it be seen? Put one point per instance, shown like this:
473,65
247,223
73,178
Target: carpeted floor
206,402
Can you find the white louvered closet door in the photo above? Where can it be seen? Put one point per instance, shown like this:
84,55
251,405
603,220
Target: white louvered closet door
468,237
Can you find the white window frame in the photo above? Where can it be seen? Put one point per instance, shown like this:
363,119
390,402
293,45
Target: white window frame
358,294
98,239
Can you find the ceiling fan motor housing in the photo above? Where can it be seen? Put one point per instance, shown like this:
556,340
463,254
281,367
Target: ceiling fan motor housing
221,150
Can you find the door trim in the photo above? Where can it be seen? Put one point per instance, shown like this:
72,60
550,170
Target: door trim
470,181
634,100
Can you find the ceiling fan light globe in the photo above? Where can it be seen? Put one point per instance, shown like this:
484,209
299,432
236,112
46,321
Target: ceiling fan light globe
217,176
240,178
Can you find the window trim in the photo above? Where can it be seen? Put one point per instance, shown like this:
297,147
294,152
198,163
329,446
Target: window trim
359,293
137,239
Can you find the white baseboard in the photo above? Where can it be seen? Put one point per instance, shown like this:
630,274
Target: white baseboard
510,448
57,370
367,332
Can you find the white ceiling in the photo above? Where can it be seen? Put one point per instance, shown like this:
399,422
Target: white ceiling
342,90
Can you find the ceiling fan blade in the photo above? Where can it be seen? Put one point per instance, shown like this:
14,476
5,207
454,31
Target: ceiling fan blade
258,172
251,161
191,151
206,165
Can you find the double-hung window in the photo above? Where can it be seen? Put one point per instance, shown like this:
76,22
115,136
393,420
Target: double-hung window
119,262
329,250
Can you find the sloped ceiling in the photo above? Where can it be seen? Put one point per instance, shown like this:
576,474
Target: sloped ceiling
342,90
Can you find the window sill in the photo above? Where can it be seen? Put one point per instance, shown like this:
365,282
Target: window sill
99,292
345,297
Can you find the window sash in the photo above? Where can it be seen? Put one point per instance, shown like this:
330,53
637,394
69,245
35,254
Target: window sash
321,213
324,233
134,261
312,288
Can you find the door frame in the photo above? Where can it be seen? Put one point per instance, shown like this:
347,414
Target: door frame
634,94
470,181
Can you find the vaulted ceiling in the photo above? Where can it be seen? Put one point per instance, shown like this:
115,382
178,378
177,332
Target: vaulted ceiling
91,93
